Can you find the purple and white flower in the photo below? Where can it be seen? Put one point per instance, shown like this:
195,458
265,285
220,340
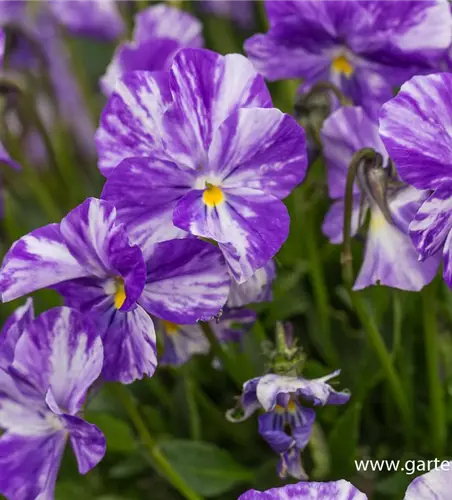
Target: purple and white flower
160,31
256,289
434,485
181,342
365,48
88,258
56,359
416,129
286,424
389,257
99,19
216,156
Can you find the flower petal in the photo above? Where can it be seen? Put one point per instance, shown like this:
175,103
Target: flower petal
262,149
149,219
344,133
87,441
415,128
182,343
333,224
131,123
206,90
187,281
164,21
250,226
129,346
433,222
12,330
30,465
434,485
317,390
255,289
61,352
271,428
99,19
333,490
38,260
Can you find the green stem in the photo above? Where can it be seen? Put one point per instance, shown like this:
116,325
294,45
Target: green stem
195,421
127,400
437,410
220,352
358,304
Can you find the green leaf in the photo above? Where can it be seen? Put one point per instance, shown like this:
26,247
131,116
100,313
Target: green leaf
117,433
209,470
343,441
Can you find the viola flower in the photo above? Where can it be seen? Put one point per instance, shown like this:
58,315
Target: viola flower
99,19
363,48
434,485
56,359
415,127
256,289
286,424
88,258
392,205
160,31
215,155
242,13
181,342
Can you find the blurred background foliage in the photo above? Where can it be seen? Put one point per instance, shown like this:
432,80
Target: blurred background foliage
184,408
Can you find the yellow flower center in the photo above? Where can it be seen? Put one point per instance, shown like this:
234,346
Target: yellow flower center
120,294
213,195
377,221
341,64
170,328
291,406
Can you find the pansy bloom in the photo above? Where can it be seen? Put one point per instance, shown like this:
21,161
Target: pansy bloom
364,48
88,258
181,342
389,257
286,423
434,485
256,289
160,31
217,158
416,129
55,359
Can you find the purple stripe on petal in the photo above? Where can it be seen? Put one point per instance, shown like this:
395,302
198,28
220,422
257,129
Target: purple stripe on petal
187,281
87,441
415,127
435,485
250,226
145,192
38,260
333,224
30,465
59,351
334,490
129,346
262,149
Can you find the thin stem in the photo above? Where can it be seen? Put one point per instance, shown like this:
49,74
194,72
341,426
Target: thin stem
358,304
195,421
437,410
122,393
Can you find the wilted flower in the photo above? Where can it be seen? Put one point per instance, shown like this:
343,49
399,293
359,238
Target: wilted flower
181,342
389,257
88,258
435,485
416,129
363,48
57,357
160,31
217,160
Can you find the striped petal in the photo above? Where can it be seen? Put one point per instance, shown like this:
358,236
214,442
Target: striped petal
435,485
415,127
258,288
131,123
262,149
187,281
61,354
250,226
